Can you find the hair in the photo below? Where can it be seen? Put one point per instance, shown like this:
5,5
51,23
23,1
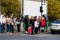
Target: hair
44,17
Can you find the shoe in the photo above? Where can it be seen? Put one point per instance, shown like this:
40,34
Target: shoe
26,32
10,33
7,33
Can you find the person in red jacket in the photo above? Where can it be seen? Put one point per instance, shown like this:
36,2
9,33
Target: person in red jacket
43,23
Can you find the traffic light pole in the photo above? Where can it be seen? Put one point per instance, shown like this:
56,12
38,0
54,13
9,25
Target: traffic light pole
22,6
41,10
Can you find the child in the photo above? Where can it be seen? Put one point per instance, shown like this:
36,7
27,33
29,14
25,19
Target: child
30,29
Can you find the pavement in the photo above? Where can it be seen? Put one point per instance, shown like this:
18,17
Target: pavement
23,36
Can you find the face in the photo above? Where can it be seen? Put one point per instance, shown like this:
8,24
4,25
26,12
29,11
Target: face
7,16
39,17
43,18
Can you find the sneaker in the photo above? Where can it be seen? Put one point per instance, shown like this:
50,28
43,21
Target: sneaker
10,33
26,32
7,33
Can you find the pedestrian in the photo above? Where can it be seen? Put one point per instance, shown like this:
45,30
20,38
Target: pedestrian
12,23
8,25
36,25
32,23
30,29
3,23
43,23
18,20
39,20
26,21
0,28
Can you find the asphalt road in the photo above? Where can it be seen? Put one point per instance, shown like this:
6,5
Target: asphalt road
21,36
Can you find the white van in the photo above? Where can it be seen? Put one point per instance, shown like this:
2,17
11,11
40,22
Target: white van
32,8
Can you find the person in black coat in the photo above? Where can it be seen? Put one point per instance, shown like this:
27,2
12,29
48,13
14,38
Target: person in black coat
32,22
26,21
18,20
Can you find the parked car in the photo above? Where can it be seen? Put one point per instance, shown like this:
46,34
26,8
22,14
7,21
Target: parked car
55,27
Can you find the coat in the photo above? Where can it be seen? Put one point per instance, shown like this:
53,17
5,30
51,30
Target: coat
43,23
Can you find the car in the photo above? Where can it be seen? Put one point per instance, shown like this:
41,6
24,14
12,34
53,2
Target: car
55,27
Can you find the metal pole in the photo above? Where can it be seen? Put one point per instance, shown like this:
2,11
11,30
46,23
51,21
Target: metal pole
22,7
41,12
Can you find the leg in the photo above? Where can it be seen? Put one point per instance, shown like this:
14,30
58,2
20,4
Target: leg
18,27
32,30
26,27
35,30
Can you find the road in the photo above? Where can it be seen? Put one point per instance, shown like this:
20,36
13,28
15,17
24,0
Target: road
22,36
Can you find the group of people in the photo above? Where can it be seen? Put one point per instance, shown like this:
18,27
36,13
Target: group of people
8,23
35,23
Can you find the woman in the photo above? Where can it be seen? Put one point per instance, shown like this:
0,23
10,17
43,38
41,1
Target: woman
26,21
18,20
39,20
32,23
43,23
9,27
12,23
36,26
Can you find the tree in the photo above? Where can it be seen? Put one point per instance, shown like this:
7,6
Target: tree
53,9
11,7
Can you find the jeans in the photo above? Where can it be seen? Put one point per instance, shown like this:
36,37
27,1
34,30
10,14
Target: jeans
9,28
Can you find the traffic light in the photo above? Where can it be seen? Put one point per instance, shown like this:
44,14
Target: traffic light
41,9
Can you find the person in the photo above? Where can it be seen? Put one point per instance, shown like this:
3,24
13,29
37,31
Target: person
3,23
36,24
30,29
32,23
12,23
18,20
26,21
8,24
0,28
39,20
43,23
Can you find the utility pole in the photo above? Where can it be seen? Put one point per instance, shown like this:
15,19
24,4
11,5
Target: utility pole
41,8
22,7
